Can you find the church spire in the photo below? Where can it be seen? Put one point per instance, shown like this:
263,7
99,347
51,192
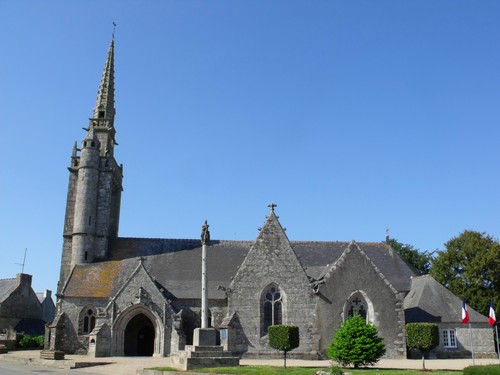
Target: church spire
105,104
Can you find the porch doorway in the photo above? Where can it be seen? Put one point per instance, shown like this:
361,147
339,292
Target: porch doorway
139,336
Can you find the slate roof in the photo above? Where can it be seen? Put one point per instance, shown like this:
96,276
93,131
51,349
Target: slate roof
175,264
429,301
41,296
7,286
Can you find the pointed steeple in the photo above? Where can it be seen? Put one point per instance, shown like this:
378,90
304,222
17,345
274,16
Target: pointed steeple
105,104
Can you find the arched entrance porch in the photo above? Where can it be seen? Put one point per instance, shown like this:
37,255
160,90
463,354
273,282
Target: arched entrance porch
139,336
138,331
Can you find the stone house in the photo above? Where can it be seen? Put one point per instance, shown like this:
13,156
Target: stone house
141,296
20,309
48,306
429,301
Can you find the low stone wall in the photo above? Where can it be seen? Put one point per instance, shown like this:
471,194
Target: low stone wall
10,344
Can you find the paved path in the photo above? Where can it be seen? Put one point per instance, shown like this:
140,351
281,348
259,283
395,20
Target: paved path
130,365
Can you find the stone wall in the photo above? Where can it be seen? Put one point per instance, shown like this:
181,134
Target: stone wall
355,273
483,343
271,261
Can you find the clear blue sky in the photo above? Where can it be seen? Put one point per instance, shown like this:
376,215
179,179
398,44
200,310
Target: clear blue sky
350,115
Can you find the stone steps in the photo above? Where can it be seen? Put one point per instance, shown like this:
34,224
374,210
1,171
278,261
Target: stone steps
206,356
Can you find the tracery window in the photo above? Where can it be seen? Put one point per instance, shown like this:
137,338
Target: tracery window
87,320
357,307
272,307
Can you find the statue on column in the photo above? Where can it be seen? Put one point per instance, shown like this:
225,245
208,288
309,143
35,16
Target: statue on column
205,234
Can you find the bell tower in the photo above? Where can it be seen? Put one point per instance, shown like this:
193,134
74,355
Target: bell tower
95,183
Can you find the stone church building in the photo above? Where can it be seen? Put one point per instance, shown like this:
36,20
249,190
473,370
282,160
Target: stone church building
139,296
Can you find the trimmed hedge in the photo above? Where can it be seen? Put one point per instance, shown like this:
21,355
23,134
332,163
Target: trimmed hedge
283,337
422,336
482,370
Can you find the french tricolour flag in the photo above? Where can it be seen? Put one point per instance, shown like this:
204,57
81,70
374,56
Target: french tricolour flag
465,313
492,317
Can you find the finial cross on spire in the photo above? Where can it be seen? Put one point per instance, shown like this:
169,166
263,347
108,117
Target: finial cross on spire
114,27
272,206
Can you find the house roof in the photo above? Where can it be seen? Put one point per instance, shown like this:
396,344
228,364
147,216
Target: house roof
175,264
429,301
7,286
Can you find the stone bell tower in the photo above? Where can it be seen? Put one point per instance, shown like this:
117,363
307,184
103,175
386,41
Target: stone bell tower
95,183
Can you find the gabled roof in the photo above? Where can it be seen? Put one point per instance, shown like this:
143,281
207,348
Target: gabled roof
176,265
7,286
318,257
429,301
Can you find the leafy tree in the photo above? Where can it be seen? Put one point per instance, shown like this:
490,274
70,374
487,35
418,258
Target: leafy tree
283,337
470,268
356,343
421,261
423,337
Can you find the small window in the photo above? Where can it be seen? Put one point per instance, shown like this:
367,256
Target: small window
86,255
449,338
101,114
88,317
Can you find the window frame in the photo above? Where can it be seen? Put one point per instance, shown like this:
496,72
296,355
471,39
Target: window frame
449,336
271,307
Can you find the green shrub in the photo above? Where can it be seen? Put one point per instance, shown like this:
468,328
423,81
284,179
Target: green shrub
482,370
28,342
283,337
356,343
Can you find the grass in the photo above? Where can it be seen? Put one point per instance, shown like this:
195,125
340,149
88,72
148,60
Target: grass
272,370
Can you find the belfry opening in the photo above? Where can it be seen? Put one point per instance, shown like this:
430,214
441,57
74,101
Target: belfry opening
139,336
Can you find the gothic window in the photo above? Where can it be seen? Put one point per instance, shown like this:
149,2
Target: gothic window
357,306
272,307
87,320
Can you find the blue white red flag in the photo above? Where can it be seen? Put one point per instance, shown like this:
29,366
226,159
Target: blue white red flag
465,313
492,317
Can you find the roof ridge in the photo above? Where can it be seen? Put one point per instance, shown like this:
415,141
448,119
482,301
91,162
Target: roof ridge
180,239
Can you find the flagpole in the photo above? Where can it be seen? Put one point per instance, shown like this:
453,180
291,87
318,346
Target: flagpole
498,344
471,345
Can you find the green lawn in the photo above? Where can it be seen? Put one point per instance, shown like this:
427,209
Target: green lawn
271,370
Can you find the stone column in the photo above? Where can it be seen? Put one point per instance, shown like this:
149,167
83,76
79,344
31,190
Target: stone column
204,336
204,297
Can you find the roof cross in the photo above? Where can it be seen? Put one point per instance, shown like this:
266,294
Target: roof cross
272,206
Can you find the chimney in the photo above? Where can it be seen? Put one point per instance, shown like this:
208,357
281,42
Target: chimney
23,278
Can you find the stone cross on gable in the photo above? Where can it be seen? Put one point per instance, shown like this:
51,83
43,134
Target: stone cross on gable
272,206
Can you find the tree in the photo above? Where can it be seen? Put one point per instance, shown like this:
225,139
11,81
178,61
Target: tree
421,261
423,337
283,337
470,268
356,343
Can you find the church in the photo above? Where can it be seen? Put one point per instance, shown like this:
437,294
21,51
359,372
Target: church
120,296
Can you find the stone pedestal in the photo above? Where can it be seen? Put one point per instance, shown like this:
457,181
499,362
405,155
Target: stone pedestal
204,337
204,352
55,355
